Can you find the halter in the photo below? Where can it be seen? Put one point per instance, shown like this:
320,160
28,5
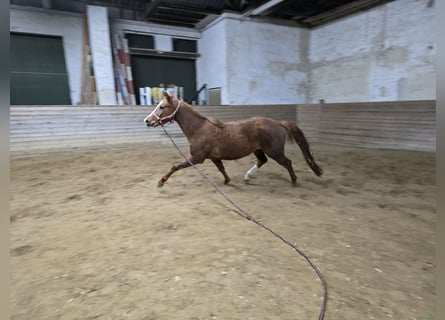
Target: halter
168,118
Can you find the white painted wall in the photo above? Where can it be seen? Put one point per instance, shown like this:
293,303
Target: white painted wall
254,62
212,66
55,23
163,43
383,54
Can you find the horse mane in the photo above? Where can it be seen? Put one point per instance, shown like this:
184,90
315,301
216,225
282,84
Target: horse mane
213,121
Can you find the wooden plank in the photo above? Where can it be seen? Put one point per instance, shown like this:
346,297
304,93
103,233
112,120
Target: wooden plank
308,120
397,145
97,138
60,128
43,136
398,125
33,149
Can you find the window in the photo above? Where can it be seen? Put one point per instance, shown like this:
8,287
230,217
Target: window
184,45
140,41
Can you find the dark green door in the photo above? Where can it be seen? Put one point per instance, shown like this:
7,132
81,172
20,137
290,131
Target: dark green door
152,71
37,71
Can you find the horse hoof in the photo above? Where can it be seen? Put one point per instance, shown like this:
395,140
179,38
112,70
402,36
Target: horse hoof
160,184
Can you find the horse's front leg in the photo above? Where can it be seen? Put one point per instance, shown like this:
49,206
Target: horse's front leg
218,163
176,167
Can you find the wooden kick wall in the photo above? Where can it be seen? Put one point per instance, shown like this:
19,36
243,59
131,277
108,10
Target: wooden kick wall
407,125
37,129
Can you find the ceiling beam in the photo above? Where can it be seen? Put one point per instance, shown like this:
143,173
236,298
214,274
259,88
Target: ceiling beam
206,21
236,4
161,15
172,22
202,12
151,7
340,11
264,7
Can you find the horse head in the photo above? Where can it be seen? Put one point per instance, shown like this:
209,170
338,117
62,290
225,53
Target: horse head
164,112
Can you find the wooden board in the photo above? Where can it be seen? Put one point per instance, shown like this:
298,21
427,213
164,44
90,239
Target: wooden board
37,129
407,125
395,125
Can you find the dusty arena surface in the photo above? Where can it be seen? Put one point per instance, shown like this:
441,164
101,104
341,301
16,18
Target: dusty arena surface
92,237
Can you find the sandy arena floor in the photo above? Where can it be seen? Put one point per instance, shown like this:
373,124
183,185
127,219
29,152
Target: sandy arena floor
92,237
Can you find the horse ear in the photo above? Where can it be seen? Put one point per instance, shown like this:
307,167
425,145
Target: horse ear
166,94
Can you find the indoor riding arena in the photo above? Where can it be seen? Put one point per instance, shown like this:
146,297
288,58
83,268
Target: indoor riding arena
99,94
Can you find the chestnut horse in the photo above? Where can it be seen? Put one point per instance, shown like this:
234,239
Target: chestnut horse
215,140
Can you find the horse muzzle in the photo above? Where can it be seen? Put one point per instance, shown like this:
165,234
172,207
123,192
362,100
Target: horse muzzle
151,122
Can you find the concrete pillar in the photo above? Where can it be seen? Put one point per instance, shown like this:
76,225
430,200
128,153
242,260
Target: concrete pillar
101,52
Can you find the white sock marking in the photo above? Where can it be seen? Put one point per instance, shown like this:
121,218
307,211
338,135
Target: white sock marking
250,172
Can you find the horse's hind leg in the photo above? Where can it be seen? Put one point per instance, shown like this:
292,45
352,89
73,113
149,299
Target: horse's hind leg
261,159
281,158
218,163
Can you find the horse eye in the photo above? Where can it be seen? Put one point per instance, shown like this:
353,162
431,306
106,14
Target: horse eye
162,108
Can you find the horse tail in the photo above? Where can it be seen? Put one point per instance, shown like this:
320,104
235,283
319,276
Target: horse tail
296,135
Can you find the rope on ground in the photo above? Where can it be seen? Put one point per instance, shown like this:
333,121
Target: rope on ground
247,216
